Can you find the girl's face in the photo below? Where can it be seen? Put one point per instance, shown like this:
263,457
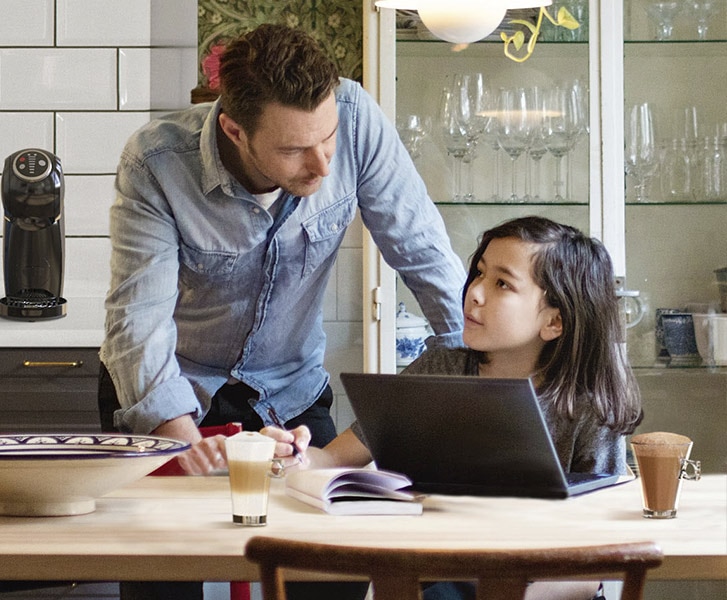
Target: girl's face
506,313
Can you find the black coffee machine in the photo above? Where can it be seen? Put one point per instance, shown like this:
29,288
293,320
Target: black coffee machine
33,236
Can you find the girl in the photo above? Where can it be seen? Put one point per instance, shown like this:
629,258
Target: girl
538,302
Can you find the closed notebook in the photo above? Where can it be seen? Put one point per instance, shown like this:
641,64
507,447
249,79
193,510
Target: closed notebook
354,491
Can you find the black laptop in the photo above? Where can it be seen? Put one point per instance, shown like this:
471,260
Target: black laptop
463,435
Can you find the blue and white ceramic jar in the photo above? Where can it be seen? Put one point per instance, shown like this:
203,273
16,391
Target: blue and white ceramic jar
411,331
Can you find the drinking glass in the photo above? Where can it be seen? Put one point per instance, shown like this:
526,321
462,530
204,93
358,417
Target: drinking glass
641,152
702,12
663,12
561,126
454,135
536,149
489,138
472,94
580,128
691,131
514,129
712,185
676,171
413,129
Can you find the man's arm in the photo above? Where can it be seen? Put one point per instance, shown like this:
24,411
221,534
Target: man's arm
205,455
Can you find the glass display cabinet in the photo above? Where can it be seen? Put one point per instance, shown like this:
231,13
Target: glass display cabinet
657,197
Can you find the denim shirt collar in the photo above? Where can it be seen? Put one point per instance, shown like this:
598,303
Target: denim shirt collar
214,173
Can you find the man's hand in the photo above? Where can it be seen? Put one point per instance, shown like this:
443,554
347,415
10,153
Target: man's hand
205,455
292,445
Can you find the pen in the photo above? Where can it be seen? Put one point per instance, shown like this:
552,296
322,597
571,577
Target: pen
279,424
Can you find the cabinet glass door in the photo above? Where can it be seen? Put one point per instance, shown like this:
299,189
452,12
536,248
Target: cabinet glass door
529,156
675,58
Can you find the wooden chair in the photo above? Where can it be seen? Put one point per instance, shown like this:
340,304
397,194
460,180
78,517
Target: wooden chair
501,574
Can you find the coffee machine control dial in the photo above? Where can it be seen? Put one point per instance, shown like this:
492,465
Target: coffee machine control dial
32,165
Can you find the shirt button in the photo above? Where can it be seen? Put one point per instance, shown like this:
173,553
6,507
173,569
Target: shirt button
256,210
334,227
200,267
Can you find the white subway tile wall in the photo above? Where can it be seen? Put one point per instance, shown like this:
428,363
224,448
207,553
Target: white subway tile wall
91,142
76,78
103,23
26,23
135,78
24,130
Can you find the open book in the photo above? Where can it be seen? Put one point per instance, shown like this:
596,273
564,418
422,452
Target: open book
354,491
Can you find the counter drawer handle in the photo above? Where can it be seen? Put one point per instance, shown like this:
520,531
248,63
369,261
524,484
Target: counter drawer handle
42,364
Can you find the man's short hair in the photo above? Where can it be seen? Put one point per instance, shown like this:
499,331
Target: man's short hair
273,63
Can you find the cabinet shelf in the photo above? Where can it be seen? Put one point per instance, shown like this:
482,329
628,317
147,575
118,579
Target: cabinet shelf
665,367
503,203
506,204
679,203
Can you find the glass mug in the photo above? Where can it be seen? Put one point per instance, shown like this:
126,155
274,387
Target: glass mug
250,459
632,308
663,462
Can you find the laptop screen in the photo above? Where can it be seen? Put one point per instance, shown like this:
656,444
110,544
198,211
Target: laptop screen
458,435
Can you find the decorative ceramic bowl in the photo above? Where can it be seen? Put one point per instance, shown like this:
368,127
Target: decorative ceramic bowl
63,474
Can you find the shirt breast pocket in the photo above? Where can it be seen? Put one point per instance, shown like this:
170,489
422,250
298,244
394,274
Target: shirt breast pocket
204,268
324,232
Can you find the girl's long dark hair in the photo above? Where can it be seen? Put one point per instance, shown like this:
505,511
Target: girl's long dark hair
587,360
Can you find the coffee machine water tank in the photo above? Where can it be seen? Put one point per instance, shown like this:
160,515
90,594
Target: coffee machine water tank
33,236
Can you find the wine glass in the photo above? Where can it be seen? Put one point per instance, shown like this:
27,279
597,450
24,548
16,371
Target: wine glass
561,126
664,12
413,129
641,152
514,129
703,11
472,94
536,149
579,100
454,134
489,138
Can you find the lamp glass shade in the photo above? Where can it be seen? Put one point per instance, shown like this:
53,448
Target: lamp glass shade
462,21
528,3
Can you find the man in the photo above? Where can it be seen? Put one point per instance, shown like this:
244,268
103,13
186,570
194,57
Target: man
226,226
225,229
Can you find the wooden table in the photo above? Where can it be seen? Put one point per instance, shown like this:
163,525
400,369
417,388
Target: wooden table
180,528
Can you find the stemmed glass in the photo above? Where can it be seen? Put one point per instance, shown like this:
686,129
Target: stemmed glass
514,128
703,11
641,151
472,94
413,129
580,128
489,137
562,124
536,149
664,12
454,134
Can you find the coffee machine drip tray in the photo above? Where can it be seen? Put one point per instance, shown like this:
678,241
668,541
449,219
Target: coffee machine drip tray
33,305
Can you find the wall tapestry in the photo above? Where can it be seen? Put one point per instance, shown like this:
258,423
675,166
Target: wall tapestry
337,25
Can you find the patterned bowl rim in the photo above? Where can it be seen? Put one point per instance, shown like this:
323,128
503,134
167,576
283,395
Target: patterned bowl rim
77,446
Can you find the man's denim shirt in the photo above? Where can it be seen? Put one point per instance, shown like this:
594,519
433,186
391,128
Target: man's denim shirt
207,285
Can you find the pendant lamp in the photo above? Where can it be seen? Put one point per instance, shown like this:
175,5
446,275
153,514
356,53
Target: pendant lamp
461,21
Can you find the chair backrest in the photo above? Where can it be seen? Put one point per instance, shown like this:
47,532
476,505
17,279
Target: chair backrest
396,573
